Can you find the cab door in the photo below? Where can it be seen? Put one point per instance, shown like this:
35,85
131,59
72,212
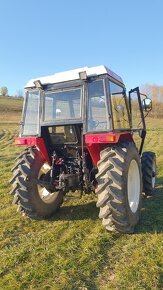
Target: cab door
137,118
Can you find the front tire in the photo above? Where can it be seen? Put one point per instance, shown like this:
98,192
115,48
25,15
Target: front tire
33,199
148,161
119,187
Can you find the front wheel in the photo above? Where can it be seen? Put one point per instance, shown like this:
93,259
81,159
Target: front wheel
119,187
148,161
29,174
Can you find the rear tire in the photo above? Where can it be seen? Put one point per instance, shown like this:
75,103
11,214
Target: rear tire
148,161
119,187
33,199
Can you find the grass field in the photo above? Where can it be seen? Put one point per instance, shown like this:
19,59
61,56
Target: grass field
72,250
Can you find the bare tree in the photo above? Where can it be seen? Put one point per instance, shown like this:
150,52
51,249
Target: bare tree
156,94
19,93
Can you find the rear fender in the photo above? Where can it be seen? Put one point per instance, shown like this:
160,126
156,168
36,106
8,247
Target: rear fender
34,141
97,142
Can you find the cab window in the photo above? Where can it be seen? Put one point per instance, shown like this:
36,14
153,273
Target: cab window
97,112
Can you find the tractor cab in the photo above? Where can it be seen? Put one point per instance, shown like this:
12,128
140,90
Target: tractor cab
84,96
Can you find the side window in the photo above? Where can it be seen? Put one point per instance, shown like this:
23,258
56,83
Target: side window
118,103
31,114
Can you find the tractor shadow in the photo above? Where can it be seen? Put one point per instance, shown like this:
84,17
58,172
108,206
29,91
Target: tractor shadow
151,220
84,211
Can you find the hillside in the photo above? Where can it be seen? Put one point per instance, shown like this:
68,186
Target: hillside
10,110
72,250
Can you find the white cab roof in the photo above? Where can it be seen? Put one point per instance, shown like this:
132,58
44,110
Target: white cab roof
74,75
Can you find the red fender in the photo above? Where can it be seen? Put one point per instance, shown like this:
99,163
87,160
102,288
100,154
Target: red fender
96,142
34,141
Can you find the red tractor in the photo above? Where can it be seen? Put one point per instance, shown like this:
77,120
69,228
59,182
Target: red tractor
82,132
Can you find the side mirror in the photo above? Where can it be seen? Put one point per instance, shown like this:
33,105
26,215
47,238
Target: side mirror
147,105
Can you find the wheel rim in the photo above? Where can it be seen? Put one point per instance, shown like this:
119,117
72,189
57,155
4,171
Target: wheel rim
133,186
153,174
43,192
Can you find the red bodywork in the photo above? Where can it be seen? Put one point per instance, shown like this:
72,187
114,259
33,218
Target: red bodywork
95,143
34,141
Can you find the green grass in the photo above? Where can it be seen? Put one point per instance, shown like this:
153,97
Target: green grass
72,250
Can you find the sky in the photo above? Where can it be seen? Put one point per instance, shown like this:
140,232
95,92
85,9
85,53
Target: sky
39,38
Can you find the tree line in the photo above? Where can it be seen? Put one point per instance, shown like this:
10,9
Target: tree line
155,93
4,92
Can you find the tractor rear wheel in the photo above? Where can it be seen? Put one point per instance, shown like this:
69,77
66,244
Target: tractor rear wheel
119,187
148,161
34,199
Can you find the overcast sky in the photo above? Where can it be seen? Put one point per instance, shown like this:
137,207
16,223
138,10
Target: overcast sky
41,37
